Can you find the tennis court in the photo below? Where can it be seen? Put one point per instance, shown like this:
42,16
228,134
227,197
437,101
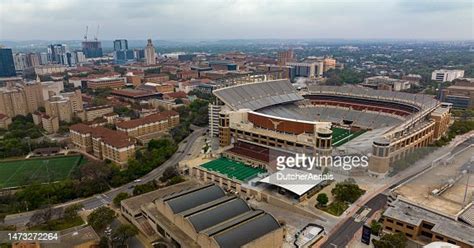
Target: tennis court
37,170
233,169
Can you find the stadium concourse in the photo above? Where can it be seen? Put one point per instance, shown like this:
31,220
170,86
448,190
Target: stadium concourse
274,114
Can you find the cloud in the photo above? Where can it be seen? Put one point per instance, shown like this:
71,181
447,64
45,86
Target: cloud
228,19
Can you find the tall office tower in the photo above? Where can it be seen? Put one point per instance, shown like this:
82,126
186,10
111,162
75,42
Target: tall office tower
43,58
70,59
138,54
56,53
33,59
19,60
7,66
80,57
120,44
121,52
150,54
92,49
285,57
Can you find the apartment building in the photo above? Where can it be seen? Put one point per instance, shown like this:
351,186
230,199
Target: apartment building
65,105
103,143
49,123
20,99
92,113
159,122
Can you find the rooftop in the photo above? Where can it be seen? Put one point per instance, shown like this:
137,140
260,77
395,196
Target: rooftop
441,188
133,93
153,118
111,137
415,215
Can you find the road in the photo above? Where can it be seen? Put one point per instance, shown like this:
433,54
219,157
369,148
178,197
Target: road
107,197
343,235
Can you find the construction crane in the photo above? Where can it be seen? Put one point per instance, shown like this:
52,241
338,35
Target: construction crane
97,33
85,35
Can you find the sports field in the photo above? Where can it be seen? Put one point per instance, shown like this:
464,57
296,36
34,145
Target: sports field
341,135
233,169
37,170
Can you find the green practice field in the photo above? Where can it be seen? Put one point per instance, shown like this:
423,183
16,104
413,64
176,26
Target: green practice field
37,170
233,169
341,135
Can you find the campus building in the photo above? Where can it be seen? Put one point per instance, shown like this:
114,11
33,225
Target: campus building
386,83
204,216
94,112
461,94
103,143
436,205
106,82
154,123
444,75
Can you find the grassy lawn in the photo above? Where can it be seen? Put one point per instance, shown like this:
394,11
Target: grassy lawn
42,170
336,208
233,169
341,136
59,224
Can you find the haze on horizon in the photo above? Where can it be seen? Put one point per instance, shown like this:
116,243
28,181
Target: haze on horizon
237,19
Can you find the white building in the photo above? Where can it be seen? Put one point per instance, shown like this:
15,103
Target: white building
20,61
444,75
150,54
214,110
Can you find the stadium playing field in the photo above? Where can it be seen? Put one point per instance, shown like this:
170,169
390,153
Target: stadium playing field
233,169
341,135
37,170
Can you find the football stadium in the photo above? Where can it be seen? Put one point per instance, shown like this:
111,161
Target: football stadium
328,120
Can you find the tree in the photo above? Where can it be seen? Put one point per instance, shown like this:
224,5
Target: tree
120,197
144,188
169,172
375,227
41,216
71,211
347,191
123,233
101,218
104,242
395,240
322,199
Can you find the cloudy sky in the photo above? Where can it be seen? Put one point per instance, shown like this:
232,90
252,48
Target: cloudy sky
237,19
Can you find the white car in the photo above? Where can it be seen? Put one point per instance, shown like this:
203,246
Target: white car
137,180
